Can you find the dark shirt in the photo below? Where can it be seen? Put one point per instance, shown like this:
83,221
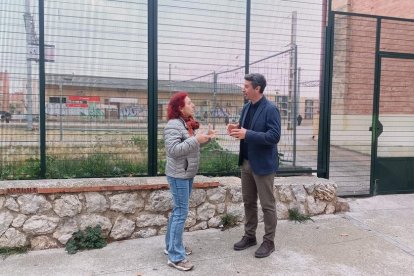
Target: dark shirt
247,125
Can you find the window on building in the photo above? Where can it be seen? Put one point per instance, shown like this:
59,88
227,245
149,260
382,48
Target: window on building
282,104
56,99
308,109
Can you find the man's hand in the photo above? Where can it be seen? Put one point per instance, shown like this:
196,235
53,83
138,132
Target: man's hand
238,133
230,127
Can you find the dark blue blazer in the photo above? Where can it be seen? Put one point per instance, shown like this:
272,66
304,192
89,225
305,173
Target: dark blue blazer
262,137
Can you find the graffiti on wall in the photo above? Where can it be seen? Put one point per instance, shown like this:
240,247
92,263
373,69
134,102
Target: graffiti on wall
132,111
90,110
94,110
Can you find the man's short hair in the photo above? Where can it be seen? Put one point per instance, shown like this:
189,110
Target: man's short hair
256,80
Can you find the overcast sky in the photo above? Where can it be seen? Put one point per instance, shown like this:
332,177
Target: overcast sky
196,37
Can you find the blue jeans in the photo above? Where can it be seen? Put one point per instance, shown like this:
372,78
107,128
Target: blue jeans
181,191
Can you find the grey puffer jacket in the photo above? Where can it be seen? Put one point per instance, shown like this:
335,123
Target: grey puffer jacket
183,150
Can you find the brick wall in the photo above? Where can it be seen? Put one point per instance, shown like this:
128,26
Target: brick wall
359,97
395,8
354,58
353,78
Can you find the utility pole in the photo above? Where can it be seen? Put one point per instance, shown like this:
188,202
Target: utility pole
247,46
31,40
62,81
169,78
293,100
215,111
298,91
292,72
60,108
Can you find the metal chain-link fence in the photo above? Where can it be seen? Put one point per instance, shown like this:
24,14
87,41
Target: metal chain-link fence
98,106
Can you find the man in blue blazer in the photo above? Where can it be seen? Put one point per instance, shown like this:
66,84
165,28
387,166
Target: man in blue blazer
259,132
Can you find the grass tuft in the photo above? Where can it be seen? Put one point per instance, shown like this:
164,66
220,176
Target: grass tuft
7,251
296,216
228,221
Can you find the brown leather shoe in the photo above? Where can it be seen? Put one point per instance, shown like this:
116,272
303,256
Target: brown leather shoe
265,249
244,243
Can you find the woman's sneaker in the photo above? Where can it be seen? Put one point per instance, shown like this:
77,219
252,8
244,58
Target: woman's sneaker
188,251
183,265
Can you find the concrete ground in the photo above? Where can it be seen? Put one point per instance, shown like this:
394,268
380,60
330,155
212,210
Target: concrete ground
375,238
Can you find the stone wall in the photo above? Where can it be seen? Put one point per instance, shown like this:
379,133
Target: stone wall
45,213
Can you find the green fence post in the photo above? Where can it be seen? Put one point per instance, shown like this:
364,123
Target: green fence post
325,102
247,46
152,86
42,119
375,110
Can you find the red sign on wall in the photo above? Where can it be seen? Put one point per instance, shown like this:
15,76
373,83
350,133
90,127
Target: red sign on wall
92,99
77,105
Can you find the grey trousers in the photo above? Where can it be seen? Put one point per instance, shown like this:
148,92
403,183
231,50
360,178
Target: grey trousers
254,185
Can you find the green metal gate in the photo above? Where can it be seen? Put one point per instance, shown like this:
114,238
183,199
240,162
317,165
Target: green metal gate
393,161
371,103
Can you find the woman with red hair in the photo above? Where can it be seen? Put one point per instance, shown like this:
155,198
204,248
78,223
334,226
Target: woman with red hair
182,146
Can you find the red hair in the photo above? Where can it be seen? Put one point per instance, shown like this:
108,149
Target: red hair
175,105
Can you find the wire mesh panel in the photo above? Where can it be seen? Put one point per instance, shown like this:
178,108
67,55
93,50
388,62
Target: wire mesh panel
206,58
278,70
396,105
198,41
230,103
286,39
19,100
96,88
395,149
395,145
352,103
96,80
396,109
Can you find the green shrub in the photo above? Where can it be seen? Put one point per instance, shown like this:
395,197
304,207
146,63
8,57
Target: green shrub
96,165
217,161
91,238
214,161
296,216
28,169
161,166
139,141
212,146
228,221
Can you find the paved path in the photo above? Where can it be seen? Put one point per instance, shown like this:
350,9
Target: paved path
375,238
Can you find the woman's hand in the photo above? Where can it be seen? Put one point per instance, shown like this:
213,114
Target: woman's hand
203,138
212,132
